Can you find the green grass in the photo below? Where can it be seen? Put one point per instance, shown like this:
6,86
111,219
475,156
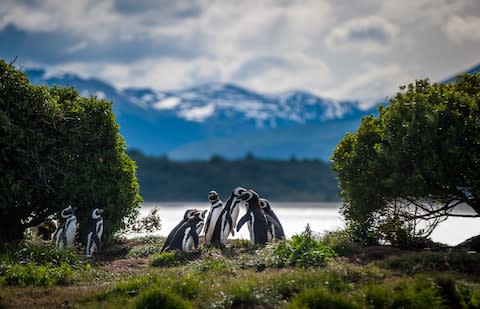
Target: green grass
242,277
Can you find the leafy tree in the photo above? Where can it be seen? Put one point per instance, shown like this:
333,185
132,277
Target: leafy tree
59,149
406,170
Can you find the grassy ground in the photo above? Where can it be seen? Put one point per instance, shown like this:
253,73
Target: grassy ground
133,274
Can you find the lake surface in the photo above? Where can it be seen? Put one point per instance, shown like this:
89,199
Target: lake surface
322,217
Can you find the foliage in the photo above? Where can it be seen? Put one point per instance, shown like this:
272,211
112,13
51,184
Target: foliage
302,250
148,224
39,254
321,298
402,173
159,298
58,149
434,261
164,180
341,241
167,259
29,263
43,275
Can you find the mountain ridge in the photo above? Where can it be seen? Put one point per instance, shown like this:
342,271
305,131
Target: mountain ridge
222,119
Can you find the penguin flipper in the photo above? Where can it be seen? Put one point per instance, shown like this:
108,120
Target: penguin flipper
271,219
242,221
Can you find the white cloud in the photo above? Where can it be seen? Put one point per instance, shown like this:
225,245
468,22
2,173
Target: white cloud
370,34
167,103
372,84
461,29
198,114
270,46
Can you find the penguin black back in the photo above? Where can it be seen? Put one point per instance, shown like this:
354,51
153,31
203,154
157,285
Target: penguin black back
256,219
189,214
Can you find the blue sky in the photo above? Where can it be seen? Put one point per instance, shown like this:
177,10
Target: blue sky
340,49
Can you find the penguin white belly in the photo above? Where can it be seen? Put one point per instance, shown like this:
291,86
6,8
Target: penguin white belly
270,231
91,245
251,227
59,241
234,213
187,241
226,229
70,232
100,229
213,221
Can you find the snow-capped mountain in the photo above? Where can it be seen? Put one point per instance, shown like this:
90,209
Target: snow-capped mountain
200,121
225,102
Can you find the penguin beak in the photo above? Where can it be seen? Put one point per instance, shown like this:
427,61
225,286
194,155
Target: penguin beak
100,211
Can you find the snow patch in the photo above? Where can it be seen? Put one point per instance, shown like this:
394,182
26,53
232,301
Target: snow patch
168,103
198,114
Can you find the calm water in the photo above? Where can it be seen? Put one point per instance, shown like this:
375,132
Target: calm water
321,217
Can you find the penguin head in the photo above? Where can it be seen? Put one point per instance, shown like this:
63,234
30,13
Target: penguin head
246,196
265,204
238,191
97,212
213,196
67,212
189,214
201,214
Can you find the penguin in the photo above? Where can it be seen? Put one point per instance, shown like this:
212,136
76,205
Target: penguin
255,219
65,234
189,214
275,229
235,200
216,208
94,232
186,236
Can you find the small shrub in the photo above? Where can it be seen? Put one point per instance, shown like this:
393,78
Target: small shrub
145,250
31,274
341,242
159,298
421,293
321,298
377,296
301,251
188,286
214,264
39,254
167,259
434,261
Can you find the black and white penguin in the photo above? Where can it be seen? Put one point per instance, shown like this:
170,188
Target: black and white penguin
275,229
235,200
189,214
216,207
94,232
65,234
255,219
186,237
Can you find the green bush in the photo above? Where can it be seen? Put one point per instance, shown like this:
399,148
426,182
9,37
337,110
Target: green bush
321,298
31,274
159,298
39,254
302,250
421,293
58,149
167,259
434,261
214,265
341,242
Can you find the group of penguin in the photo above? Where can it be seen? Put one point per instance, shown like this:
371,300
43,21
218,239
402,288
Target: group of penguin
67,231
262,222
